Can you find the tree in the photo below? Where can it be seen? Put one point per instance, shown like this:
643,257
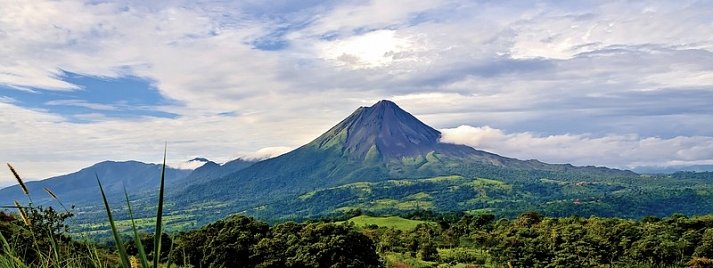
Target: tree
428,251
333,245
705,247
48,222
226,243
275,249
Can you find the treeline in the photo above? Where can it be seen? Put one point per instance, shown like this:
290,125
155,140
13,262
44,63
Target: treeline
530,240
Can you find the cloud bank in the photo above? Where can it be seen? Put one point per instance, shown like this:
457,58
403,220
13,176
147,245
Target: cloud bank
620,151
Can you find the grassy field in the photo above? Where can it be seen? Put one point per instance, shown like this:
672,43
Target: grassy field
172,223
465,257
401,260
388,222
452,258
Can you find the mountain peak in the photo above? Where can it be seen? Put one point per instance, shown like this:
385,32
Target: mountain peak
382,130
385,104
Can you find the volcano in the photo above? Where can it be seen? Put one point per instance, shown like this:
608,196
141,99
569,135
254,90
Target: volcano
386,133
384,129
375,143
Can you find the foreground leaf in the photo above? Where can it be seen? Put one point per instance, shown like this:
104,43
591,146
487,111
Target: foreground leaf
119,245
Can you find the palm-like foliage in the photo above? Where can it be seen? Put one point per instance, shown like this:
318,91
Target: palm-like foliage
137,240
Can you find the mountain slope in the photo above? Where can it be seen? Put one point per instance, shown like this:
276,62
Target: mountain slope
374,144
660,196
81,186
383,130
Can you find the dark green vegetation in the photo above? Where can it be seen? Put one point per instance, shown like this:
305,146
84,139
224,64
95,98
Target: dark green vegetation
37,237
239,241
688,193
438,240
532,240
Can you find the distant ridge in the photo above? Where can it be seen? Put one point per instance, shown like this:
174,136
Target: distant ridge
673,169
81,186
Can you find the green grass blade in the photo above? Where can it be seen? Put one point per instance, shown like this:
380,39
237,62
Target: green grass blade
94,257
137,240
119,245
10,257
170,253
159,214
55,250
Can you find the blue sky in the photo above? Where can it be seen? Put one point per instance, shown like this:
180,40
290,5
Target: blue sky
123,97
614,83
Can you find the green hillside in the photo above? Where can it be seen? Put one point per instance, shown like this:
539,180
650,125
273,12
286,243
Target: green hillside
688,193
647,195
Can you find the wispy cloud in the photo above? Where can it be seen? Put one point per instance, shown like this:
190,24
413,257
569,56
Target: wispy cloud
80,103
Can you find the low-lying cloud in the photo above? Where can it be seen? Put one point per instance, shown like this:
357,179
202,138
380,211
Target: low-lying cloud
616,150
267,152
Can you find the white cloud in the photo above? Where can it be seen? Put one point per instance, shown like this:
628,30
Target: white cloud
369,15
616,150
190,164
374,49
562,34
192,57
267,152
